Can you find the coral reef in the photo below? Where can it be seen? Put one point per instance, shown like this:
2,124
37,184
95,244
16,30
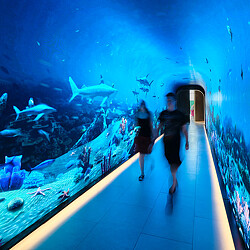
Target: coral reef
123,127
11,177
34,180
78,177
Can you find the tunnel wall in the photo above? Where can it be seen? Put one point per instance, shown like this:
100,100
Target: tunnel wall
227,107
118,42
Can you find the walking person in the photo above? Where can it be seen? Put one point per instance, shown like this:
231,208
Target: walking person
172,122
144,139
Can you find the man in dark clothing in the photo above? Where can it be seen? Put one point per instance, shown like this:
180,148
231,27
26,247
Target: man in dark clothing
172,121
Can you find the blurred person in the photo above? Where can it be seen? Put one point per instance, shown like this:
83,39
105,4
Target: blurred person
144,139
172,122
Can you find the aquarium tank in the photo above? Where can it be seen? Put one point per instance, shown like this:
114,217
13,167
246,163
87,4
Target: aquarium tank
72,74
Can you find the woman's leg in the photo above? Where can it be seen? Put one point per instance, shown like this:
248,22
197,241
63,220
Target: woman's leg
141,162
173,168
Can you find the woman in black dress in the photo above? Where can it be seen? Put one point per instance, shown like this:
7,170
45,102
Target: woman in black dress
143,140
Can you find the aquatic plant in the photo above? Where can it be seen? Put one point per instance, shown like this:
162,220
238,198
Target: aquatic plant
106,166
84,158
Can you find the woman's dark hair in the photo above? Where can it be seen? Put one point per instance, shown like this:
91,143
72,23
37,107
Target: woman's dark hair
171,95
143,103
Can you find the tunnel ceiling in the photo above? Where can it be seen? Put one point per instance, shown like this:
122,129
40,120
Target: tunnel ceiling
172,41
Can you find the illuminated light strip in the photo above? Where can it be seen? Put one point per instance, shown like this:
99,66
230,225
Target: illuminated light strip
220,211
45,230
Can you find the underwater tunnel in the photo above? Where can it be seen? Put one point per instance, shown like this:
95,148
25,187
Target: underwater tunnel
72,75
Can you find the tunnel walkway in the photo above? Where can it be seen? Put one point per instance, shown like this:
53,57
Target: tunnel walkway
129,214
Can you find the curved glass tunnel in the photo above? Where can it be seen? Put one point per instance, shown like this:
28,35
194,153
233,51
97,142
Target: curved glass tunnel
72,74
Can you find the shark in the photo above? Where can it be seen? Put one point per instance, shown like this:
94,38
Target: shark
101,89
144,81
38,110
3,101
135,92
11,132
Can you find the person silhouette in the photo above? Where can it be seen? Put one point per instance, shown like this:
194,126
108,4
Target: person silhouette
144,139
172,122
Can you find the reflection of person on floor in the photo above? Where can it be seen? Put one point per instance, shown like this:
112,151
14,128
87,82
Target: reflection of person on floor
172,121
143,140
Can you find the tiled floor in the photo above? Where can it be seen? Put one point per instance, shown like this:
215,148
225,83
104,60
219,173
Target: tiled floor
130,214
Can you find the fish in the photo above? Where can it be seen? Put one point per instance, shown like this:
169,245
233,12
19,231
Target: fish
31,102
102,90
230,32
144,89
38,43
44,85
44,133
5,70
58,89
102,80
162,84
75,117
241,74
135,92
3,98
229,72
42,165
45,63
87,171
38,110
144,81
70,164
11,132
206,60
83,129
77,31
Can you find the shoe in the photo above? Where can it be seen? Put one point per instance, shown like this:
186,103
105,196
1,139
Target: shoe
141,177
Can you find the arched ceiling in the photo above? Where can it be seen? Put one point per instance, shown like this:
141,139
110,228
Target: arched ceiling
172,41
